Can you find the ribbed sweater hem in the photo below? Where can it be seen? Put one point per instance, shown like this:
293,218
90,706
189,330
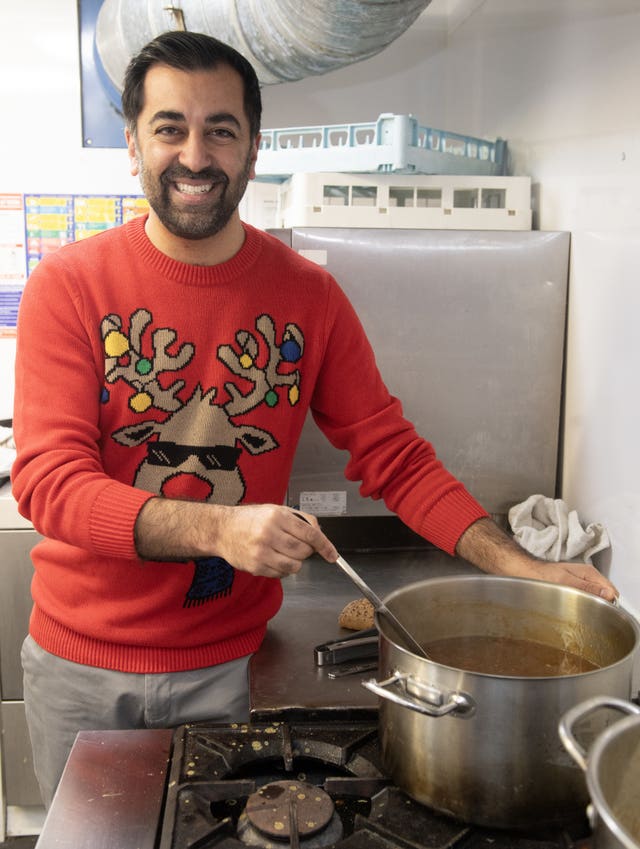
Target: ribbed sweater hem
79,648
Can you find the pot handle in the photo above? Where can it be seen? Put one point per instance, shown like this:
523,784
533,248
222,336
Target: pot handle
575,714
424,699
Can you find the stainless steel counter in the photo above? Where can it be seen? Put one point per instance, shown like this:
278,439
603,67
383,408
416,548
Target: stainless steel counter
111,792
284,675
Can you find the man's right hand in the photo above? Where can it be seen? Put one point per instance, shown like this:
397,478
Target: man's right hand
263,539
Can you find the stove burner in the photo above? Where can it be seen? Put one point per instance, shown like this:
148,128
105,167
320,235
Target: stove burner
270,808
298,813
309,785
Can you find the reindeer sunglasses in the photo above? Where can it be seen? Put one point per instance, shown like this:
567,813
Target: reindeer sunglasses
224,457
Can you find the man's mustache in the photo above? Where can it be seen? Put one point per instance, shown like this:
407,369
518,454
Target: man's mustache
212,175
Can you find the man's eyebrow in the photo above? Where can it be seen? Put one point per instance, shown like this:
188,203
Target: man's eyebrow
166,115
215,118
223,118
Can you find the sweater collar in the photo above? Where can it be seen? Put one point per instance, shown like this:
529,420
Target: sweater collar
194,275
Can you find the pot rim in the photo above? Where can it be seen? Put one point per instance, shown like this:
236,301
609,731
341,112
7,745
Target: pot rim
509,579
503,580
602,807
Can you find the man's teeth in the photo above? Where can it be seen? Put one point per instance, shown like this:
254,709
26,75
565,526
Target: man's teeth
194,190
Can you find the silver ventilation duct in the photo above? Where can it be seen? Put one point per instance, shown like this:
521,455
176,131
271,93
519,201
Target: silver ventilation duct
285,40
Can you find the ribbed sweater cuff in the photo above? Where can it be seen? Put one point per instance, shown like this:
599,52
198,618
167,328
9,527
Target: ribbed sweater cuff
113,519
450,517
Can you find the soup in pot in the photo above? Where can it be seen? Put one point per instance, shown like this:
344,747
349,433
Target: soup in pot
506,656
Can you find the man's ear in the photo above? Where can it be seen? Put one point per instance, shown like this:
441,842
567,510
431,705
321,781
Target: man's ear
134,167
254,156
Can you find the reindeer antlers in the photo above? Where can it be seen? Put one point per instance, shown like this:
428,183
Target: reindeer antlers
125,359
266,379
140,372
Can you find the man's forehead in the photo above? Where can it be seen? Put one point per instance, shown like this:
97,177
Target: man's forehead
212,95
201,84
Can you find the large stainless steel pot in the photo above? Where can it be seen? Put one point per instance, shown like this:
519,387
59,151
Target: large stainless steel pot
485,748
612,769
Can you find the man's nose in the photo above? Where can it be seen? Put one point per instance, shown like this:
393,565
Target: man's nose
194,153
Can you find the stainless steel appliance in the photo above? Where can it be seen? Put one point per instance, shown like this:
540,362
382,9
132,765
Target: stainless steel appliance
468,329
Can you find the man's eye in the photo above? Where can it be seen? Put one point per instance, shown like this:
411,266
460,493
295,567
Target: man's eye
222,133
168,131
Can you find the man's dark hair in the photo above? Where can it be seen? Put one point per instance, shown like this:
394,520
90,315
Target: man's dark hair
189,51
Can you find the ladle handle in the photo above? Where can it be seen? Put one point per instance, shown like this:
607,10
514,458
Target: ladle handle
378,605
381,608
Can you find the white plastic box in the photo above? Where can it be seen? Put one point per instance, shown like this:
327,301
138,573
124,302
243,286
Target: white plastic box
460,202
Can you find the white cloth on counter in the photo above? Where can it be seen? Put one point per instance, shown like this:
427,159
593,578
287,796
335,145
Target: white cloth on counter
546,528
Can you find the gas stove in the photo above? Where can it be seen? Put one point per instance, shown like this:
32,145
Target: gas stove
290,784
308,785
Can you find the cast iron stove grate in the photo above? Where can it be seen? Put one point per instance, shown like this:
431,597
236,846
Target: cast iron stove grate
306,785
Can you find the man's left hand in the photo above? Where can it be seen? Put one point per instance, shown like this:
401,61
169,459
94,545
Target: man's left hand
489,548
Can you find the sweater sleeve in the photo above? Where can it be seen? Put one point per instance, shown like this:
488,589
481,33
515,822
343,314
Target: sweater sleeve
387,455
58,478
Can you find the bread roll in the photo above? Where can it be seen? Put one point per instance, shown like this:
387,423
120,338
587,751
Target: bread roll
357,615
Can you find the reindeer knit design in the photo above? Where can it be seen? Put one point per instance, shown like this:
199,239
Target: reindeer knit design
139,376
213,578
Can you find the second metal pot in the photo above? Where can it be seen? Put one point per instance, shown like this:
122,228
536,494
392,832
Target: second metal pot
485,748
612,768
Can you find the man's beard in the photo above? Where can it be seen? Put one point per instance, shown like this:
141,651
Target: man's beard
207,219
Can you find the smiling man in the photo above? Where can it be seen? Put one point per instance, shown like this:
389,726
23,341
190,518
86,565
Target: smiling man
194,149
164,372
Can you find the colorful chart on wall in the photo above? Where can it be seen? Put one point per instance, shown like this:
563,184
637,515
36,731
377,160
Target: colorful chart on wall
52,221
34,225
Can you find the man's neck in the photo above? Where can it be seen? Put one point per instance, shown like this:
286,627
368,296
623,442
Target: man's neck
210,251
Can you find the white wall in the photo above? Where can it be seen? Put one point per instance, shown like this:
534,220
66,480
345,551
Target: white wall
41,145
557,78
559,81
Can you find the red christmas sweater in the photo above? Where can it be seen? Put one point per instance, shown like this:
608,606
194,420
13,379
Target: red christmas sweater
136,376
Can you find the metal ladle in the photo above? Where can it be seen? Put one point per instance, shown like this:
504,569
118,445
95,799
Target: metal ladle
378,604
381,608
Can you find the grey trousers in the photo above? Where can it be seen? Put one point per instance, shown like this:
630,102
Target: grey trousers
62,698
